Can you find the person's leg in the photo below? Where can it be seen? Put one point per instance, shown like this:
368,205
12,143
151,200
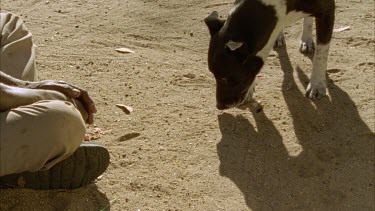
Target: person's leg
44,137
37,136
41,148
17,51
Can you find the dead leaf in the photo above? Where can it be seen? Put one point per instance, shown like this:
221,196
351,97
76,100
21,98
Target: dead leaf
124,108
124,50
94,133
341,29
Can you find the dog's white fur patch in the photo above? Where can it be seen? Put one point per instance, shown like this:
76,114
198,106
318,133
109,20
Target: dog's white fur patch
284,20
307,40
235,6
250,91
317,86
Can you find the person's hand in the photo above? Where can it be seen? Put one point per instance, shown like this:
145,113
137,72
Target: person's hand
70,91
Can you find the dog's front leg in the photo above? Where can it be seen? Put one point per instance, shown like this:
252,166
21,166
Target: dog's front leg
250,92
317,87
280,40
324,26
307,40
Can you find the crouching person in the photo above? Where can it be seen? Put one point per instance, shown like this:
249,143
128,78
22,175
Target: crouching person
42,123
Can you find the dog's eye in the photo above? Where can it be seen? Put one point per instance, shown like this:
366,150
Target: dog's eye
226,81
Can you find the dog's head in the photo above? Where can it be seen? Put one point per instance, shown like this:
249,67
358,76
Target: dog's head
232,64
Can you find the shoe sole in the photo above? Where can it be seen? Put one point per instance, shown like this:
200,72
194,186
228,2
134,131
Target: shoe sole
86,164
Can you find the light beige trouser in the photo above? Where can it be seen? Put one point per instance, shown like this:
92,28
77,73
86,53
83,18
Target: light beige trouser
37,136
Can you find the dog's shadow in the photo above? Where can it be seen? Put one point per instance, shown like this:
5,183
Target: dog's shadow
334,169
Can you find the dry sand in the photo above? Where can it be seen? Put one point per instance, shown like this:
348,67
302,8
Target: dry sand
176,151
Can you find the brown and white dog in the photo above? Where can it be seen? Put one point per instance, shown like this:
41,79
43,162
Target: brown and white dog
240,45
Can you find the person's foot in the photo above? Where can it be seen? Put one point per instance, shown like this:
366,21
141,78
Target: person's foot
85,165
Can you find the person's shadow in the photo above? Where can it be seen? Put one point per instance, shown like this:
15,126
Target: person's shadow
335,169
87,198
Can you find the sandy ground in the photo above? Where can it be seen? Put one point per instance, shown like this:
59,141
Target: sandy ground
176,151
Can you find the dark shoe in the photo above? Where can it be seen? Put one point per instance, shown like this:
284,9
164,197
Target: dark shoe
86,164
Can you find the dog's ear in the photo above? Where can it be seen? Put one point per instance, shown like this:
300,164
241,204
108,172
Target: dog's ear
238,49
214,23
233,45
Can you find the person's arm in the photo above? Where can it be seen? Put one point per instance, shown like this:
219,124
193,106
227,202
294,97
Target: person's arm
13,97
11,81
68,90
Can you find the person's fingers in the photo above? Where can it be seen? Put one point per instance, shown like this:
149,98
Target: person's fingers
84,97
68,90
90,105
73,92
82,110
64,88
82,93
90,119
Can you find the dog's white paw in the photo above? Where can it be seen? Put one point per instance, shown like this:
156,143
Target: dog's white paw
307,46
280,41
316,90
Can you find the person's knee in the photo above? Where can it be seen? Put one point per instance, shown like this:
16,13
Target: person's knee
40,135
67,125
17,50
13,27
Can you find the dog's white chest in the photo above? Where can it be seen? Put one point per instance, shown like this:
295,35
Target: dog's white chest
284,19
